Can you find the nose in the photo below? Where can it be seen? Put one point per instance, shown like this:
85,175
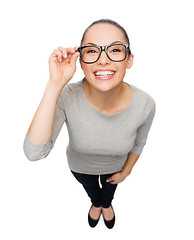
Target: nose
103,60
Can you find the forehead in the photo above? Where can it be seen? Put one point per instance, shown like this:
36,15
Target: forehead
103,34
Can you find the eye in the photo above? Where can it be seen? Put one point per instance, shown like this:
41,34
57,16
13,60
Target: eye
116,50
91,51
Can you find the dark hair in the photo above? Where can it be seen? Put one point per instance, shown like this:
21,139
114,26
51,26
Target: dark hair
110,22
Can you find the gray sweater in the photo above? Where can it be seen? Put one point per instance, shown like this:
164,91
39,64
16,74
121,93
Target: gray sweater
99,143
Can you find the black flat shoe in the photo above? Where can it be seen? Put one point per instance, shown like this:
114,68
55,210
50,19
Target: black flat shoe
110,224
92,222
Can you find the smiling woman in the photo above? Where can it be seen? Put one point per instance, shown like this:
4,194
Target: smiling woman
108,120
105,59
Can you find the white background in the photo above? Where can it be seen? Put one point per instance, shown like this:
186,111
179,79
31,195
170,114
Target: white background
42,200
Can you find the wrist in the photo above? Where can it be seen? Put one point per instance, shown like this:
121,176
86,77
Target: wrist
125,173
53,88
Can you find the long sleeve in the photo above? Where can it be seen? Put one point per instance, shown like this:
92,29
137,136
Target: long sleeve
36,152
142,132
99,143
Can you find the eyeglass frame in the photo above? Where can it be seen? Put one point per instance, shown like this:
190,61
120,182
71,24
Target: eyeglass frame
104,48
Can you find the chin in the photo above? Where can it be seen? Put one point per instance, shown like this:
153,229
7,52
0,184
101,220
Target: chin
105,86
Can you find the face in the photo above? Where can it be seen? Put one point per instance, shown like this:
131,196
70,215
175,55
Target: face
105,74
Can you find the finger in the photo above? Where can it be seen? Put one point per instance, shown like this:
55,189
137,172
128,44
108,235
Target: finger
74,58
63,51
113,182
109,180
60,55
76,48
56,54
66,51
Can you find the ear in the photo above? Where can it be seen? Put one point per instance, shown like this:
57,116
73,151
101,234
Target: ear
130,61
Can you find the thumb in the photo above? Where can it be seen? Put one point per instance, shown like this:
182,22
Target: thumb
109,179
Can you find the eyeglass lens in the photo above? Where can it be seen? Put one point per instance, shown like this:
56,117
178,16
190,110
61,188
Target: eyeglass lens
115,53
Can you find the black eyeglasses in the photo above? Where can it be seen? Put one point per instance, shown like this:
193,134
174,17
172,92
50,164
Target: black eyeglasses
115,52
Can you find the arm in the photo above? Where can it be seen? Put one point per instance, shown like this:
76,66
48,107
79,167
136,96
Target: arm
129,164
134,154
49,116
41,128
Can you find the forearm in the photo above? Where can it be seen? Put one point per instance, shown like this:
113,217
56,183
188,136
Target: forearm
41,127
120,176
129,164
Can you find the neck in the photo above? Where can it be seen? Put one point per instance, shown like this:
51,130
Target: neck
104,100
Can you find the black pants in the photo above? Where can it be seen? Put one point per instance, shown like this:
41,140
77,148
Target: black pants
100,196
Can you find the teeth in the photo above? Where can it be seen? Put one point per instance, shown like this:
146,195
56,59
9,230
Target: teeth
104,73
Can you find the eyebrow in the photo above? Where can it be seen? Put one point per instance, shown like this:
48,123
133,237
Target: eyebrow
93,44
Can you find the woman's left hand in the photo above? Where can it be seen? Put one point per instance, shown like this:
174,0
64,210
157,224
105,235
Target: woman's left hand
116,178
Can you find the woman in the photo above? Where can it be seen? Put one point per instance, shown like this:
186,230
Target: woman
107,119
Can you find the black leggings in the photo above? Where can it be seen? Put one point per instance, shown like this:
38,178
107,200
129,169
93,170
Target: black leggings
99,196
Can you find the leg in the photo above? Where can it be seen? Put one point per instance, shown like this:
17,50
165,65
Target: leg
91,185
108,190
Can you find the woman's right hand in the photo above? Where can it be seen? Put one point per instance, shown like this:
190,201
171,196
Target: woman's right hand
62,65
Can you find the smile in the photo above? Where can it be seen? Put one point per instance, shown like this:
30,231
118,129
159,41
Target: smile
104,73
